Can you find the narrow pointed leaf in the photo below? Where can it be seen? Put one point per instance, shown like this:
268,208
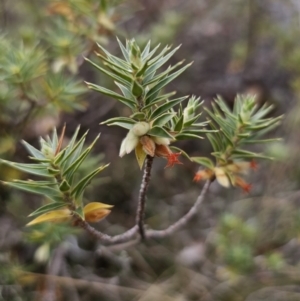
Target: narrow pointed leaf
142,70
52,216
262,141
126,101
159,132
34,169
124,51
223,106
126,92
163,119
191,121
203,161
54,139
214,142
266,130
117,71
158,61
137,89
51,193
113,63
167,106
179,124
227,137
74,152
33,151
265,125
74,138
113,58
48,207
184,136
110,74
163,74
75,165
40,160
151,53
124,122
159,99
262,112
166,81
146,50
140,155
138,116
60,156
78,190
123,125
239,153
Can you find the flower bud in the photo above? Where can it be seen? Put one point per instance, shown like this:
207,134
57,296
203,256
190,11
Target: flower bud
162,151
140,128
148,145
161,140
94,212
221,177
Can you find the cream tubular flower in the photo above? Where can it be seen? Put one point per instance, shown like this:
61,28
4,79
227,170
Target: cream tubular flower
129,143
221,177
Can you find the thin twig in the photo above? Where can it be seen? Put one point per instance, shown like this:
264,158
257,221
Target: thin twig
140,213
184,220
131,234
123,246
105,238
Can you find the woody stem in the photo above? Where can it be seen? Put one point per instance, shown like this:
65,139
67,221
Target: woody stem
140,213
183,220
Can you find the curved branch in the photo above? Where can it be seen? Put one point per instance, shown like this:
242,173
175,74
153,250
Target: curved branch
182,221
140,213
131,234
105,238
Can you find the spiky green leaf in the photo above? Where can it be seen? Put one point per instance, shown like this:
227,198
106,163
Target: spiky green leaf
126,101
78,190
163,119
166,107
47,208
49,192
203,161
159,132
34,169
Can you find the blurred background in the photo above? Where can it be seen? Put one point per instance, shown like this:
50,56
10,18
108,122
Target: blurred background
240,246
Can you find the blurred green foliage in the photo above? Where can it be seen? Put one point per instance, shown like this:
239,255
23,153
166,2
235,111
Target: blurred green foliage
238,46
39,62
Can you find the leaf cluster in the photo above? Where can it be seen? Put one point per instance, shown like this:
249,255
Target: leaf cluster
38,64
236,129
76,24
28,86
140,81
141,84
58,166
